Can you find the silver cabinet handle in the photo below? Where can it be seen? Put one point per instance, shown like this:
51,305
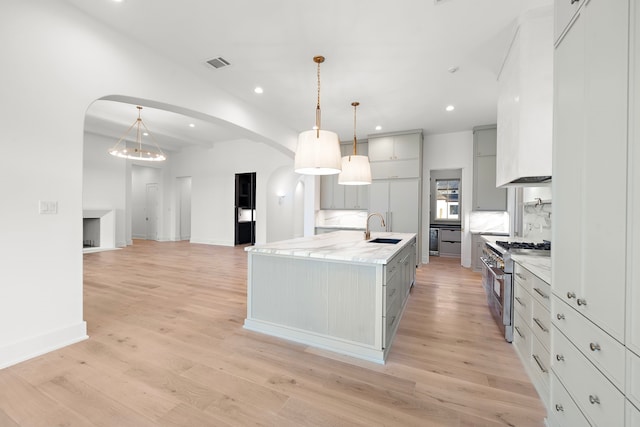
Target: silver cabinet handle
594,399
559,407
574,1
594,346
519,301
540,325
582,301
571,295
518,331
560,316
540,365
520,276
559,358
542,294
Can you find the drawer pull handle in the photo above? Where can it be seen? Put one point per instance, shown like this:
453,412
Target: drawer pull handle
559,358
594,346
540,365
540,325
520,276
582,301
559,407
520,302
518,331
542,294
393,292
594,399
574,1
560,316
571,295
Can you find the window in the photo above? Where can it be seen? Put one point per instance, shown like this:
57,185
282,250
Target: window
447,199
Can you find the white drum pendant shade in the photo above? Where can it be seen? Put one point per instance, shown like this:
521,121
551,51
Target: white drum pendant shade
318,156
356,170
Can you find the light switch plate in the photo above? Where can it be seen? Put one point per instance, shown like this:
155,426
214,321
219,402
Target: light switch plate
47,207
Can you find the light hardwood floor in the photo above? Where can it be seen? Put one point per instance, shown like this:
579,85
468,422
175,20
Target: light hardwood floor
167,348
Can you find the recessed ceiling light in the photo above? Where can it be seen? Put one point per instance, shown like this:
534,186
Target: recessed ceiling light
450,108
378,127
192,125
145,133
118,1
258,89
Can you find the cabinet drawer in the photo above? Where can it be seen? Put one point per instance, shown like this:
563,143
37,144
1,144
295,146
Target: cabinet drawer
598,399
633,378
540,364
521,337
522,302
450,235
450,248
541,291
523,276
599,347
563,411
391,320
541,324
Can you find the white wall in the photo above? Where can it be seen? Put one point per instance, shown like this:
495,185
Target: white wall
104,182
140,177
448,151
58,61
212,174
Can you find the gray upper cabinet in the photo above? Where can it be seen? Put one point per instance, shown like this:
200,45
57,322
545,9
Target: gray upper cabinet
486,197
395,156
336,196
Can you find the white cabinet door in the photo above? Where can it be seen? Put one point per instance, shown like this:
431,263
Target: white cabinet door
564,11
406,147
332,194
633,225
589,182
381,148
404,205
378,203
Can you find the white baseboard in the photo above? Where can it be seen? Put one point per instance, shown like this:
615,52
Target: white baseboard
36,346
211,242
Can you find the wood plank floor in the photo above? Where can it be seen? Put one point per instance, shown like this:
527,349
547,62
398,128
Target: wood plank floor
167,348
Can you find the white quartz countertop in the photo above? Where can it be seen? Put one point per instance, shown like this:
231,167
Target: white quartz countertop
538,265
339,245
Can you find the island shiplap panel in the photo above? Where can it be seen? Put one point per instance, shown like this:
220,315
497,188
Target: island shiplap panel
352,288
280,287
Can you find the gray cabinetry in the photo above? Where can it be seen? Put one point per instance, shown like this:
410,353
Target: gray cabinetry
486,197
594,146
336,196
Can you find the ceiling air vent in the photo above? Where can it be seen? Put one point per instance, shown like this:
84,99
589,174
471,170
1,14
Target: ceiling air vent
218,62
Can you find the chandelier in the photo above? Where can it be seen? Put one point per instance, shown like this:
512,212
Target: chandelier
318,151
356,169
137,152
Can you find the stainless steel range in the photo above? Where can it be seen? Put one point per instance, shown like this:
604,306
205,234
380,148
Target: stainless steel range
497,281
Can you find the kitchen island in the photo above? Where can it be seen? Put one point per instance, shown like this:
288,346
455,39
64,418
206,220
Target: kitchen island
335,291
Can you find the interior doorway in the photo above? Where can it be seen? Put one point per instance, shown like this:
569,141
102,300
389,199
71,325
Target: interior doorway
245,208
151,211
183,207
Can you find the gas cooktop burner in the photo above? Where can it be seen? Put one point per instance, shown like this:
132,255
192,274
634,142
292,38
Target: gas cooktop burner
545,246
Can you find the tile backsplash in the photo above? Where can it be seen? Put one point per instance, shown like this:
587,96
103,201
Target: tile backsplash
344,218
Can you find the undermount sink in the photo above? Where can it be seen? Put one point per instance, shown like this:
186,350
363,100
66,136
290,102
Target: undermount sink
384,240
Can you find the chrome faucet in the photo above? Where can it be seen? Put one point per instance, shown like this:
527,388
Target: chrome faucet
367,233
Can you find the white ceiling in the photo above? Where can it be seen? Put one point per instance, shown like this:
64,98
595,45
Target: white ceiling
391,56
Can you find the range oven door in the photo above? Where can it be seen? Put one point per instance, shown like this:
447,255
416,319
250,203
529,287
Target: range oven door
497,286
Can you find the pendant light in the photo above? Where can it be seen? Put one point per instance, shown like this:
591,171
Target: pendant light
136,152
356,169
318,151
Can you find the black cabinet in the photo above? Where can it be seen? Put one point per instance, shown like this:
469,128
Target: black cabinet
245,208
